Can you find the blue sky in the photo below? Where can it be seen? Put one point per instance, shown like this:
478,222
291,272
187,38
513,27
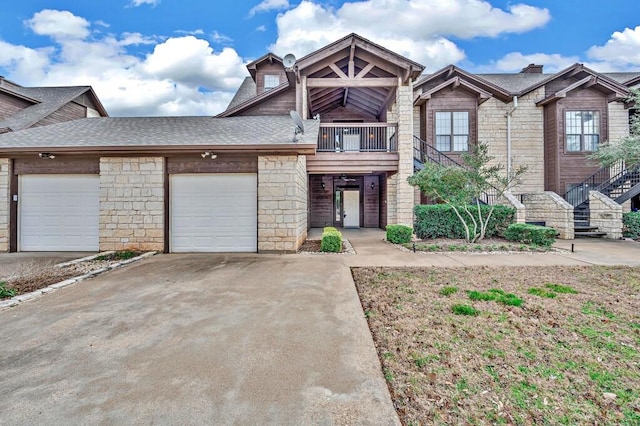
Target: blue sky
187,57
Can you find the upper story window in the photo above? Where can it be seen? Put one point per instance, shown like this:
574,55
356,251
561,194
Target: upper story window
582,130
271,81
452,131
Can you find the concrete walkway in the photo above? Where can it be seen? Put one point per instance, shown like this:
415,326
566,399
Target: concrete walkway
372,250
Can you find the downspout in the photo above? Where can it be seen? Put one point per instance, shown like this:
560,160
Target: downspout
509,114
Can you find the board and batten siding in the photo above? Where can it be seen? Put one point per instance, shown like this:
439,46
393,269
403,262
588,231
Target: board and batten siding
575,167
9,105
68,112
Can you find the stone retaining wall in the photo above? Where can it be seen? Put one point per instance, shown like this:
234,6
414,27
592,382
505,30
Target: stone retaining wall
606,214
552,209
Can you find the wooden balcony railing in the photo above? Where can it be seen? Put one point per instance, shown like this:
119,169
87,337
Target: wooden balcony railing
357,137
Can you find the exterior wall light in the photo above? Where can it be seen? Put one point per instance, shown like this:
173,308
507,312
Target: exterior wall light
46,155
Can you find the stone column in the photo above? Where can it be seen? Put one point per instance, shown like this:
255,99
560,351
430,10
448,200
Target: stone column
282,203
5,200
606,214
552,209
132,203
404,191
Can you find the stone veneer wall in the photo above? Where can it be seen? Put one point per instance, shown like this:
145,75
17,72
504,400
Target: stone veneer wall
606,214
282,203
132,203
552,209
5,200
618,122
527,137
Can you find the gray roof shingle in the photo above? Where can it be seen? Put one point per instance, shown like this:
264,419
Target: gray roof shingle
246,91
114,132
514,83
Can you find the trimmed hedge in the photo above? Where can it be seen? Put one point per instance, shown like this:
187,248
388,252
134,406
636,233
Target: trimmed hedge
531,234
399,234
631,225
331,240
440,221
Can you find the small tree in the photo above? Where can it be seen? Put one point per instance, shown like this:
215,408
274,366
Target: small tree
628,148
463,187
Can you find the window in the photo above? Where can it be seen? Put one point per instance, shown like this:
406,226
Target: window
582,130
452,131
271,81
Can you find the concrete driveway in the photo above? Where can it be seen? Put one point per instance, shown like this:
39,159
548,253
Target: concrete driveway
196,339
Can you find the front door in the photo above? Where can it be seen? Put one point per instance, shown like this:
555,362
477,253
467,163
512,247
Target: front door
351,208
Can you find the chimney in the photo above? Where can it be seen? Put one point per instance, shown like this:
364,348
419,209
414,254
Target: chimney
532,69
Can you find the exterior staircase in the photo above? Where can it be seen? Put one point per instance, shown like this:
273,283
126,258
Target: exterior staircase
423,153
616,182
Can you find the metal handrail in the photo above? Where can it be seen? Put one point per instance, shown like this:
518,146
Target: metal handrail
606,180
423,151
357,137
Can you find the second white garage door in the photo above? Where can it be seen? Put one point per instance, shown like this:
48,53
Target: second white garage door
214,213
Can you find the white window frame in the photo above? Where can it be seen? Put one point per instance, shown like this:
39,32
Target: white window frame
585,133
271,81
458,139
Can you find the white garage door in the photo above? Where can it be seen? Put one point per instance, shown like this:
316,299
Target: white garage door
58,212
214,213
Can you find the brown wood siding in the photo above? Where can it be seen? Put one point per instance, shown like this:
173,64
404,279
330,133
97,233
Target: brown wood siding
423,122
575,167
9,105
68,112
371,202
352,162
59,165
342,114
266,68
222,164
551,148
320,201
452,100
278,105
383,201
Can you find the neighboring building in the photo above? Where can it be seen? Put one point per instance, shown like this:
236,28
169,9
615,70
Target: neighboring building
246,180
25,107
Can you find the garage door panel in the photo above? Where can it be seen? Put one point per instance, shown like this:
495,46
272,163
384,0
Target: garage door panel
214,213
59,212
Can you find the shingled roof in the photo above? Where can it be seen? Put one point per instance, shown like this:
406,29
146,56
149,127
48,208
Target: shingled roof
259,133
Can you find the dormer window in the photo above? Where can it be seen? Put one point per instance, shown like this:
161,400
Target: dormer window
271,81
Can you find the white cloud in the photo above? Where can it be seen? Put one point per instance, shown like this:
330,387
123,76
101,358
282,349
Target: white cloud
199,31
267,5
621,52
419,29
58,24
178,75
516,61
261,28
136,3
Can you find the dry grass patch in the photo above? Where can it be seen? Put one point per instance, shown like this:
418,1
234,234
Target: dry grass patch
571,358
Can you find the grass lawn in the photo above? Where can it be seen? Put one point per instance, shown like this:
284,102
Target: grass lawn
532,345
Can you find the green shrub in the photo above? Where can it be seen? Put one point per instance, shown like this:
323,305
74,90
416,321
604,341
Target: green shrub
631,225
399,234
331,240
531,234
464,310
6,291
440,221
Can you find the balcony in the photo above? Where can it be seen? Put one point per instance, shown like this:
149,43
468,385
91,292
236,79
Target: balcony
357,137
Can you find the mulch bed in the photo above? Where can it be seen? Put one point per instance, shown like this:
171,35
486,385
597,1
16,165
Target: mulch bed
313,246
